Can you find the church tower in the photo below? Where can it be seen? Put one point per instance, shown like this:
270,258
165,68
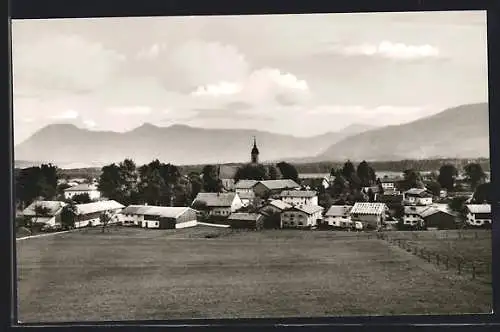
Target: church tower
255,152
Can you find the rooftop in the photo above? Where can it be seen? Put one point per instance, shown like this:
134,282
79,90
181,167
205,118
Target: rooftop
245,216
280,184
279,204
245,184
417,192
100,206
162,211
298,193
309,209
338,210
53,208
479,208
369,208
216,199
82,187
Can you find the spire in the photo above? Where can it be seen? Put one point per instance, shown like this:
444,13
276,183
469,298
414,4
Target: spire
255,152
254,142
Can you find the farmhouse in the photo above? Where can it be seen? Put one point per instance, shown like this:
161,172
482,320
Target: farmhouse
416,196
370,215
437,218
161,217
478,215
413,215
218,204
268,188
272,213
89,214
306,216
389,184
246,221
83,188
244,186
338,216
45,212
299,197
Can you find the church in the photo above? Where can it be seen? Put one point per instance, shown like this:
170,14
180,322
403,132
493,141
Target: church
228,172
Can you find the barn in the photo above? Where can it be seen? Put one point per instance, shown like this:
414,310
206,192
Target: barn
45,212
89,214
159,217
435,218
246,221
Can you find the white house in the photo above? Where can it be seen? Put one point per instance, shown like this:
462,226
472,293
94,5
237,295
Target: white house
388,184
160,217
274,206
370,215
89,214
45,212
478,215
80,189
416,196
306,216
247,198
299,197
338,216
413,215
218,204
244,186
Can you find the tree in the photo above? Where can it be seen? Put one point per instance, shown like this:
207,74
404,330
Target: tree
475,174
457,204
40,212
36,182
288,171
81,198
371,195
325,200
272,172
434,188
446,177
68,216
110,184
348,170
412,179
251,172
483,194
104,218
195,183
129,178
211,181
152,186
366,174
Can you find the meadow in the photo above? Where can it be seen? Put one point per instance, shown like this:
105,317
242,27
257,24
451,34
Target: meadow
206,272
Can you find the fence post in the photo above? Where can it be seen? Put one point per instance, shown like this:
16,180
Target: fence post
459,266
437,259
473,271
429,256
447,263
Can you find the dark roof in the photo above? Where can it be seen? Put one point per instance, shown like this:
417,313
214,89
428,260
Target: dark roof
279,204
216,199
390,198
298,193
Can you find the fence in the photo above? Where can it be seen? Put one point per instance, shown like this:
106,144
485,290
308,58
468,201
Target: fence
476,269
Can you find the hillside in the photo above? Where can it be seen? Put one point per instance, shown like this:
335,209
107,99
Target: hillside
66,144
460,132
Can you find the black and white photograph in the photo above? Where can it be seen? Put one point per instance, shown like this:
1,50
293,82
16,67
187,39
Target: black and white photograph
251,166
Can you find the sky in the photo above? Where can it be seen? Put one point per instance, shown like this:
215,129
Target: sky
301,75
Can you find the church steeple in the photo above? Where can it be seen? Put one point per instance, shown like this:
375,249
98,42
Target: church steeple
255,152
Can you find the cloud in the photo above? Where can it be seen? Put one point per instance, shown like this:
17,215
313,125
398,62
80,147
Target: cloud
152,52
67,115
130,110
89,123
262,86
387,49
63,62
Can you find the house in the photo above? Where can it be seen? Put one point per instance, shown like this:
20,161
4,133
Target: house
247,198
226,174
272,212
389,184
83,188
45,212
299,197
218,204
89,214
478,215
370,215
412,216
245,186
374,189
246,221
160,217
338,216
306,216
269,188
416,196
314,180
435,217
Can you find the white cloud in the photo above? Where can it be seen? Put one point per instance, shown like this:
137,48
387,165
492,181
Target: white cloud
392,50
262,86
63,62
67,115
130,110
152,52
89,123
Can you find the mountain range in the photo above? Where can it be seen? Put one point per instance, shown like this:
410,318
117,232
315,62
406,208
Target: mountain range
460,132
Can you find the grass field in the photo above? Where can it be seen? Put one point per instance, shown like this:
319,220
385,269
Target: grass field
202,272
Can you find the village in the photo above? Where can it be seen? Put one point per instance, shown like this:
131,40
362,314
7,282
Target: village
242,198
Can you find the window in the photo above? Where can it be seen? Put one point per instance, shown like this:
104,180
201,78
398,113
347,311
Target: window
300,223
157,224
